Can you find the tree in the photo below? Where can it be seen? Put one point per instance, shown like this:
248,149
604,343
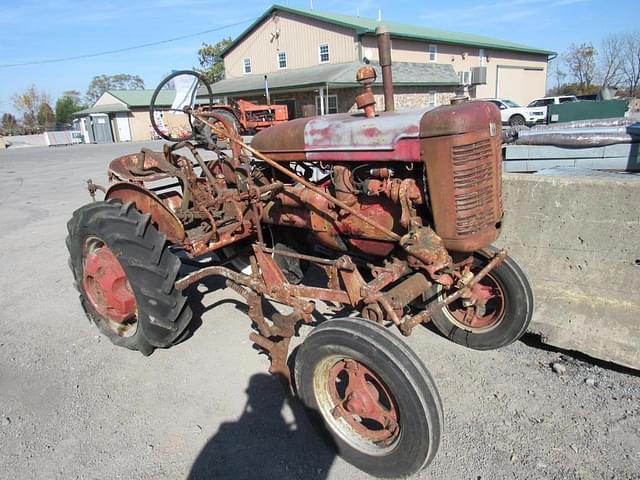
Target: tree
29,103
581,61
46,116
122,81
559,74
66,106
611,60
631,62
210,60
9,123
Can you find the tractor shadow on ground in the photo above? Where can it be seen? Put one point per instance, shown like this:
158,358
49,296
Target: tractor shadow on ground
262,443
197,292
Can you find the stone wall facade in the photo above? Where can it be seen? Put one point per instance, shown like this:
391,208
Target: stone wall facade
406,98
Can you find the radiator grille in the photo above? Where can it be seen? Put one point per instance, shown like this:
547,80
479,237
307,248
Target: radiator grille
473,179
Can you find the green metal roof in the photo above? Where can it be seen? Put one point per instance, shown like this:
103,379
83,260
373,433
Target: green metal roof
110,108
338,75
142,98
398,30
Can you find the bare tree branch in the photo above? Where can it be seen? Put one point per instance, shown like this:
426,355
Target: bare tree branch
611,60
581,61
29,102
631,63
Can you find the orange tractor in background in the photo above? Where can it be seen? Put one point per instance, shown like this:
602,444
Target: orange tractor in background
248,117
244,117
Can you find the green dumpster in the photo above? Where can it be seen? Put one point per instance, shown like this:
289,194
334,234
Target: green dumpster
586,110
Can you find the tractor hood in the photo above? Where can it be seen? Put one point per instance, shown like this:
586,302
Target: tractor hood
390,136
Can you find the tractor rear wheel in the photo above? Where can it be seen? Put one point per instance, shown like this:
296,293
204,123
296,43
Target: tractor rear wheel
125,275
373,394
231,118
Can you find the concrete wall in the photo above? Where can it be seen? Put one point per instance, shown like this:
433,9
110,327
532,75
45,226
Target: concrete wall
579,241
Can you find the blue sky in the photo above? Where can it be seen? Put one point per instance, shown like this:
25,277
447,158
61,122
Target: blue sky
38,30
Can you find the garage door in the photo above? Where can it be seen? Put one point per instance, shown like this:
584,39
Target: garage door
520,84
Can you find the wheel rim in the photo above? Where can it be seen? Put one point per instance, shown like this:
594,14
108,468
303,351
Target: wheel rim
487,310
221,136
357,404
107,288
517,121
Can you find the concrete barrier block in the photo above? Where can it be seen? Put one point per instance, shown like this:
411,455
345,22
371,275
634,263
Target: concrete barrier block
578,238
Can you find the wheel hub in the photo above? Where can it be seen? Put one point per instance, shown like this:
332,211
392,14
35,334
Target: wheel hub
363,401
484,308
106,284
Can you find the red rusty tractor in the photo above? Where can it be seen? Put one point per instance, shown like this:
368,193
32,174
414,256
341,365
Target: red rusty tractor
388,216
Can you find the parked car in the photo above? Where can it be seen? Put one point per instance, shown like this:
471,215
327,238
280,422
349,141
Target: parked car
514,114
542,103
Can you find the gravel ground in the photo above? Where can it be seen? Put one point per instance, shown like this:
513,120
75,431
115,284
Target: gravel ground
74,406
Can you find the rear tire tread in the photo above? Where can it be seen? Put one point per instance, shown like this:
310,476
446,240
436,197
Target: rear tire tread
163,311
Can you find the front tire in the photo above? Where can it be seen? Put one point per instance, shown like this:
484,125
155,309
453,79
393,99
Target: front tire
516,121
125,275
505,316
373,394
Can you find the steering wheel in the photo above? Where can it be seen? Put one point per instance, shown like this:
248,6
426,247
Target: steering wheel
197,91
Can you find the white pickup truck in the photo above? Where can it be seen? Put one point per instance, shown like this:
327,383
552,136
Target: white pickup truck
514,114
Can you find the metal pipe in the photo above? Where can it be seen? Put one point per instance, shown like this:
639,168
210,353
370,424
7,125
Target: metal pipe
384,57
300,256
266,90
219,271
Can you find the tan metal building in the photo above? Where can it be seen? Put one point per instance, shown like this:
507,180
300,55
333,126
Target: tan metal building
285,42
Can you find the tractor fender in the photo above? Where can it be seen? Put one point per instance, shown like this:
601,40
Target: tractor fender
148,202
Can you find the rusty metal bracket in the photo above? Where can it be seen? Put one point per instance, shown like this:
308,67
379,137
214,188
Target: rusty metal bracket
93,188
278,352
410,323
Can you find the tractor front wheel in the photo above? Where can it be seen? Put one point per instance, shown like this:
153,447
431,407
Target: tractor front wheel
373,394
501,313
125,275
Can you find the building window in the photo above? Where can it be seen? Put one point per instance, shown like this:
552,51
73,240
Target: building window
282,60
483,58
246,63
330,105
464,77
433,53
432,99
323,52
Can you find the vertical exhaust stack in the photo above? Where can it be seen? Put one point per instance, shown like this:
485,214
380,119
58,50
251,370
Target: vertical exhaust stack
266,90
384,55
